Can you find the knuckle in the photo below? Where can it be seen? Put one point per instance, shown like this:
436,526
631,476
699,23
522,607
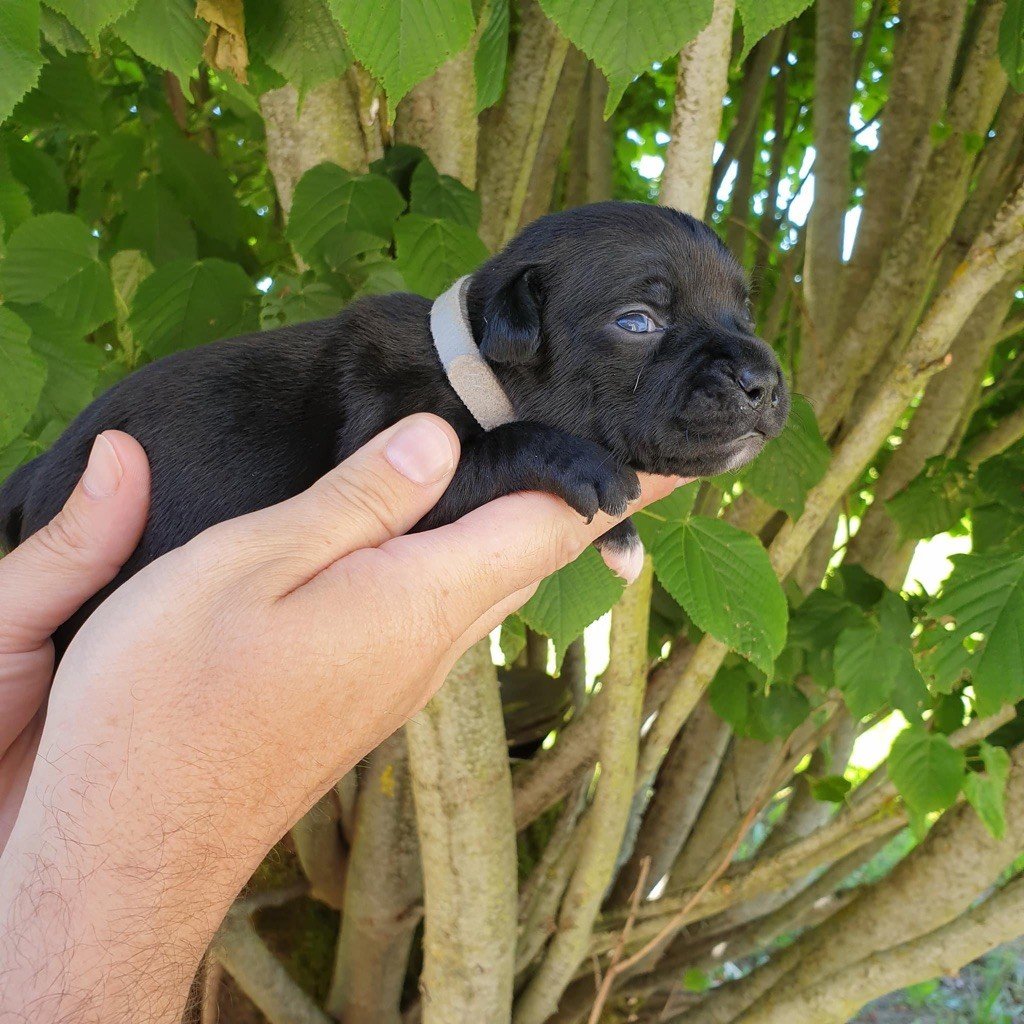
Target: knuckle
63,537
365,497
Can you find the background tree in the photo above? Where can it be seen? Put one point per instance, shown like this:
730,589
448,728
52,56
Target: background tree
684,839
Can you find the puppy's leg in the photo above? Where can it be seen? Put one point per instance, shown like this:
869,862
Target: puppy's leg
525,456
622,550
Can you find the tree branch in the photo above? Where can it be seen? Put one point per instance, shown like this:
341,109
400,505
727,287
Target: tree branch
383,895
701,82
463,796
606,822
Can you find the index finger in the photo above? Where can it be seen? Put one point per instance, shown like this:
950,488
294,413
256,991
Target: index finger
506,546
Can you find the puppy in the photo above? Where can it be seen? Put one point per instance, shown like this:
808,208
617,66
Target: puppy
619,332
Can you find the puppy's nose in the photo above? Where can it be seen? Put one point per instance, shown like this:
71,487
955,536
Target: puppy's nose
761,386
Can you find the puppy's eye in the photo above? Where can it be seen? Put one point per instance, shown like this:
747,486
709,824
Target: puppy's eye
637,323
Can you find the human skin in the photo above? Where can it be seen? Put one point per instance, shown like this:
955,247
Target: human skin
211,700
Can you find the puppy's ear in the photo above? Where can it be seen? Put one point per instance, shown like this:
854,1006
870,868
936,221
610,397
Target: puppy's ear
511,330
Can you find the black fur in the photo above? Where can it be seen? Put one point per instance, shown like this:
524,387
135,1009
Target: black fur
243,423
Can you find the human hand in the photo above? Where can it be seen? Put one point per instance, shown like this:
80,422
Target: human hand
45,580
213,698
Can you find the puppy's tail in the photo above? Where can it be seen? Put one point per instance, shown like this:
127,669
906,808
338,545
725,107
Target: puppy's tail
13,495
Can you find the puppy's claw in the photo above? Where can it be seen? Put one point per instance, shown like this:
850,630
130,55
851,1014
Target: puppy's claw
626,561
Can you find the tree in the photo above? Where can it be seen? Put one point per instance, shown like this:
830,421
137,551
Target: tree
172,172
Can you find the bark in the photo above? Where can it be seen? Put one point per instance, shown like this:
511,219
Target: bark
606,821
997,253
261,975
957,861
743,774
682,787
755,77
548,162
321,852
463,797
943,951
383,897
511,130
701,83
327,127
950,395
439,116
589,178
738,226
824,252
926,42
901,284
551,773
1008,431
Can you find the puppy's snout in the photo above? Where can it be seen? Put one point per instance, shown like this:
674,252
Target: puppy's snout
760,384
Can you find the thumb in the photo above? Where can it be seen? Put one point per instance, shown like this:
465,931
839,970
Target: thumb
55,571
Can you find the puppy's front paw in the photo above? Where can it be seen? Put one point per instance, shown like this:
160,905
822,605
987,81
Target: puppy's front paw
589,480
622,550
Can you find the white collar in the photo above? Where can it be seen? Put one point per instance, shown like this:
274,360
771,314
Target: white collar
468,372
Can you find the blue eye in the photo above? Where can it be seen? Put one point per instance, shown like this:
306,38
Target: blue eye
637,323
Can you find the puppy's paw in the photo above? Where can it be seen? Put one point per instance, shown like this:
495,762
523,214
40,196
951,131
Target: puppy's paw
622,550
590,481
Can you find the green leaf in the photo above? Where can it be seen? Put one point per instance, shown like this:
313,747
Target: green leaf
401,42
23,377
665,513
761,16
336,215
1011,43
729,693
154,225
996,528
570,600
983,595
791,464
491,56
985,791
185,304
624,37
776,713
1002,479
830,789
90,17
53,259
73,366
202,187
61,34
299,39
66,97
166,33
20,59
934,501
39,173
432,252
926,770
111,168
128,269
439,195
864,678
15,205
512,638
722,577
868,662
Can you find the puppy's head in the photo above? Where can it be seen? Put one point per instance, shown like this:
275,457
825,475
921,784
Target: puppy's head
628,324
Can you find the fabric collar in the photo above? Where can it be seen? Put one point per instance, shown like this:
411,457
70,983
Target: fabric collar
467,370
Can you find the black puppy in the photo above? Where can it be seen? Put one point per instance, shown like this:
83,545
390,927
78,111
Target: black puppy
619,331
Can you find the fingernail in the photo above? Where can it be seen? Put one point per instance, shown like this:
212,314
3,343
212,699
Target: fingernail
103,474
421,451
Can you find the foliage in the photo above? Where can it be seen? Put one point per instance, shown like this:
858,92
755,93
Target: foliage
139,217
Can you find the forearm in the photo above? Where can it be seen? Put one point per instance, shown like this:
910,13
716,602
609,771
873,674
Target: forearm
104,914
